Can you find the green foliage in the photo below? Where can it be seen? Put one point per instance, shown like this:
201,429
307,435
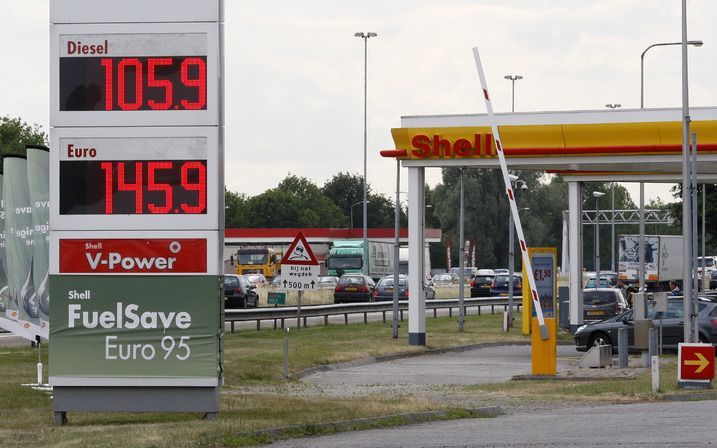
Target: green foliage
298,202
486,214
15,134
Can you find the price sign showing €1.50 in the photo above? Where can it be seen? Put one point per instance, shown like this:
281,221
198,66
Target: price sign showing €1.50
299,267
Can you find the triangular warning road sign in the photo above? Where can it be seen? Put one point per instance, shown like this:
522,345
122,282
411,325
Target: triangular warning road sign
299,252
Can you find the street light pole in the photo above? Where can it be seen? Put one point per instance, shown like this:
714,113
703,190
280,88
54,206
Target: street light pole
512,79
352,212
695,43
365,37
597,195
515,181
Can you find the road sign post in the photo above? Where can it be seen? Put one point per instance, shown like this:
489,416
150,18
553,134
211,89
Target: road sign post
299,270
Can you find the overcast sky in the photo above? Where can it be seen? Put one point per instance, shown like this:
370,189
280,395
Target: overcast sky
294,90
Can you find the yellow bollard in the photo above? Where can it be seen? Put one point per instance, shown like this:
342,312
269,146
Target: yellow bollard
544,353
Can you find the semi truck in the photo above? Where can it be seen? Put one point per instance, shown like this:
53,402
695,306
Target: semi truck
403,260
663,258
258,260
347,256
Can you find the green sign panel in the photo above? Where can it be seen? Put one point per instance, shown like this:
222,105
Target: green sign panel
134,330
276,298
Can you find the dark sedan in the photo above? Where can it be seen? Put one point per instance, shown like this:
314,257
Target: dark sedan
354,288
480,285
384,289
605,332
499,287
239,292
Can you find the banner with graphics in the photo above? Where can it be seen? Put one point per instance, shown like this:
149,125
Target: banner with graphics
38,173
7,320
23,303
134,330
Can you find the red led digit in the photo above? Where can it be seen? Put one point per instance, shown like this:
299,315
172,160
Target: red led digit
165,84
107,64
200,82
200,186
152,185
107,167
138,81
123,185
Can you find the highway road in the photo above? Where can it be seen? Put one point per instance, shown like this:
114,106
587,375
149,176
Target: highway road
660,424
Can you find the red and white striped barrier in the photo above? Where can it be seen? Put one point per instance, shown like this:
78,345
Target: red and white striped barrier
511,199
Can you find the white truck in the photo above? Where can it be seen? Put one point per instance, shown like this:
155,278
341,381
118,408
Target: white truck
663,258
403,260
710,278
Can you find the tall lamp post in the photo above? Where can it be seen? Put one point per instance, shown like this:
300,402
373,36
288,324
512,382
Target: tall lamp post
512,79
365,37
352,212
597,195
696,43
515,181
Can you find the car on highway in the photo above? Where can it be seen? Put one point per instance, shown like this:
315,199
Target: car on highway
444,280
258,280
275,282
384,289
605,332
481,284
354,288
601,303
499,287
239,292
327,281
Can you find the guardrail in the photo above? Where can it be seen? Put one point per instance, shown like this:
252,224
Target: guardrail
280,314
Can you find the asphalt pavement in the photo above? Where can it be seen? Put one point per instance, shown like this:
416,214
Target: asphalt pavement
660,424
483,365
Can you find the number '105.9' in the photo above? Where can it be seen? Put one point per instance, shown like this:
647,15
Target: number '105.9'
151,83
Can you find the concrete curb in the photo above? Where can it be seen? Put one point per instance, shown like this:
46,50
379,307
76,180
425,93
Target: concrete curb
348,425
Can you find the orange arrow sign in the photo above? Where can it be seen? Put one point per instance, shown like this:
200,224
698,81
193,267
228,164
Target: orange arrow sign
702,362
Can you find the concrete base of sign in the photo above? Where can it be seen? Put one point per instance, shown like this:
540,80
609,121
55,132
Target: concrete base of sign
417,338
694,384
134,399
597,357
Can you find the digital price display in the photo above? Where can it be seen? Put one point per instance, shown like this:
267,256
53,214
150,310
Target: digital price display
147,178
133,83
112,75
94,187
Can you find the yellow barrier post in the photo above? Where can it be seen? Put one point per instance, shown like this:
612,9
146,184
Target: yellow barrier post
544,263
544,352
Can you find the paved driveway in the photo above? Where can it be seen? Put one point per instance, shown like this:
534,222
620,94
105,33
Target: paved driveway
476,366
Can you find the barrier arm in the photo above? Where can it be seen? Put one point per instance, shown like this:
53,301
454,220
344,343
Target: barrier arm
511,199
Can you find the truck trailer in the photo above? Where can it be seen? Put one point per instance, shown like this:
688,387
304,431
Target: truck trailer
663,258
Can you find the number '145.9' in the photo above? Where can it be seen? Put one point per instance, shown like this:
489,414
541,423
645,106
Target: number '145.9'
163,187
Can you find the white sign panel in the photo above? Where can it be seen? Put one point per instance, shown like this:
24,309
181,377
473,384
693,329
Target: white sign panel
299,277
136,178
134,75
